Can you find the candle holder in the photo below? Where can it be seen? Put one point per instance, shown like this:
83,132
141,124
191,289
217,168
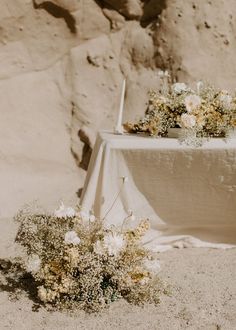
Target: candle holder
119,130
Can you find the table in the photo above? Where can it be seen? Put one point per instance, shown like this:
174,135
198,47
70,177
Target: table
189,194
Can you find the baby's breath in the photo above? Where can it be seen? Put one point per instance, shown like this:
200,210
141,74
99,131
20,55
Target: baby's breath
80,263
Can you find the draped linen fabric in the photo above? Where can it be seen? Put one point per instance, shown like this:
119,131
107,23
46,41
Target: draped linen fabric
189,194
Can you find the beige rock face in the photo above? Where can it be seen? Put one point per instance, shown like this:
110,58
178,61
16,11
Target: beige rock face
35,159
62,63
131,9
197,38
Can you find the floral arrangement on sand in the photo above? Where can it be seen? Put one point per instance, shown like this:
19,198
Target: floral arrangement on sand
78,262
202,113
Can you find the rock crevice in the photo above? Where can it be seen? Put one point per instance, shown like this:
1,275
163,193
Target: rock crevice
58,12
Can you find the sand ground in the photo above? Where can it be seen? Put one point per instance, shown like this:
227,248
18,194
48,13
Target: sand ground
203,296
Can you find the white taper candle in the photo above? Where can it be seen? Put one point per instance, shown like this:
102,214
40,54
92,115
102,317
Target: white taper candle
119,127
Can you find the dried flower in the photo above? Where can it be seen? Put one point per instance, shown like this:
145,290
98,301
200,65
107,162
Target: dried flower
46,295
225,99
99,248
113,243
142,228
42,293
206,112
179,88
82,264
72,256
64,212
192,102
188,121
71,237
86,216
34,263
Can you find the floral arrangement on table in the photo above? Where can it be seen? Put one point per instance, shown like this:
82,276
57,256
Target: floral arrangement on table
202,113
80,263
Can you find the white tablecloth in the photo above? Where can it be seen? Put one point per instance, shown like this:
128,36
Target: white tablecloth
189,194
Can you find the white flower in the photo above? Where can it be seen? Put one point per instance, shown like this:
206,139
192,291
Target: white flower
99,248
71,237
188,121
34,263
225,99
153,266
64,212
179,88
192,102
86,216
113,243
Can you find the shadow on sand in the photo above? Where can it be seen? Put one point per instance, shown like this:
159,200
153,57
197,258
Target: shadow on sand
16,281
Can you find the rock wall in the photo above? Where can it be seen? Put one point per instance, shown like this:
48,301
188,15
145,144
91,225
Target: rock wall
62,63
197,39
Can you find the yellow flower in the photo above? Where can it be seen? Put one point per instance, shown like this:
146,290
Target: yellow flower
142,228
233,122
138,275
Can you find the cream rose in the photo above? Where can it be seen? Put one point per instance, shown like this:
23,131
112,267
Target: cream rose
192,102
188,121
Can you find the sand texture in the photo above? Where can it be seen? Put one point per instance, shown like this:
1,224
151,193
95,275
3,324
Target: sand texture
202,286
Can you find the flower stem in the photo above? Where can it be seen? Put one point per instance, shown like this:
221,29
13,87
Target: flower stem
116,198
